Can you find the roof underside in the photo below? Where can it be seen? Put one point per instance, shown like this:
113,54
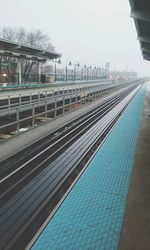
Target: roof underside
13,49
140,11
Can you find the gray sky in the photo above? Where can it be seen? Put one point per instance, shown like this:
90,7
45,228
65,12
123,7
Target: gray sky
89,31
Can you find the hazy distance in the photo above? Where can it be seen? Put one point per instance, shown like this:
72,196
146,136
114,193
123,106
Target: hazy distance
91,32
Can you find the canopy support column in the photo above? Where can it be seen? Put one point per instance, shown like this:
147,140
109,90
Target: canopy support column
19,72
39,71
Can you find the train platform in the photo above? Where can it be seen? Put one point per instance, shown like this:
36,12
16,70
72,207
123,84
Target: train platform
136,227
92,213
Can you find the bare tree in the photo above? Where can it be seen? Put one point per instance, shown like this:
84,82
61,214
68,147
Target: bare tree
21,35
33,37
8,33
39,39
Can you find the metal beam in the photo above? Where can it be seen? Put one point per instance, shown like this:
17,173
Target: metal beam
23,55
140,15
132,4
146,58
145,49
16,46
27,50
144,39
143,15
146,54
137,26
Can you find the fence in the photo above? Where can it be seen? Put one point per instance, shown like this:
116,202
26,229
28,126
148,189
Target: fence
48,106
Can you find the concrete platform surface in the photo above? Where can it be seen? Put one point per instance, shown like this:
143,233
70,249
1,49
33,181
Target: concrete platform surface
136,228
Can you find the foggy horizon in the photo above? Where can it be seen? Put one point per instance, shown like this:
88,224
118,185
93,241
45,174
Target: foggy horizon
89,32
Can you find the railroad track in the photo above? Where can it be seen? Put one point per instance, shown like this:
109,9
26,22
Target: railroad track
48,146
26,114
27,197
34,149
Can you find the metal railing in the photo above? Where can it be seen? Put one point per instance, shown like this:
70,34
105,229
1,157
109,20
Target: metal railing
82,96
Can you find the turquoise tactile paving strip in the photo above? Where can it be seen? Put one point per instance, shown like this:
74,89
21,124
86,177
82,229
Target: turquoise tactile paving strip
91,216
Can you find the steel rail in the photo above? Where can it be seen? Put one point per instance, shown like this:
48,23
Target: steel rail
14,123
64,128
52,145
34,168
68,151
89,121
49,138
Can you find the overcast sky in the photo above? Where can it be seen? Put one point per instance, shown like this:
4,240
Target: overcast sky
88,31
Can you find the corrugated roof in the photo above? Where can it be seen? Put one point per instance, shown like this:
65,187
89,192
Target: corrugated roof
15,49
140,11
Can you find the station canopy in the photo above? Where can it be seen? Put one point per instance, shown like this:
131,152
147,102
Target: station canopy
18,50
140,11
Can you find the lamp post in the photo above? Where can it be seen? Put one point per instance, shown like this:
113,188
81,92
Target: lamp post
76,64
105,73
82,73
74,74
102,73
99,73
95,75
85,73
66,69
59,61
91,74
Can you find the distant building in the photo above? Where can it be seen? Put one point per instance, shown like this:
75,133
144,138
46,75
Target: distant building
122,75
